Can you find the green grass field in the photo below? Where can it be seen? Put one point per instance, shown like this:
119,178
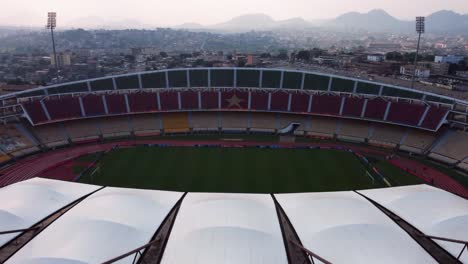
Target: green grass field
236,170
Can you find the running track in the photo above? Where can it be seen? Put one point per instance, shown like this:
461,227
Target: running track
32,166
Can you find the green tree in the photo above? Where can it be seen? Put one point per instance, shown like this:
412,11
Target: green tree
303,55
283,54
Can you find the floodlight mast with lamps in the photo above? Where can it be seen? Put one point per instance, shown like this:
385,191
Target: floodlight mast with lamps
420,28
52,24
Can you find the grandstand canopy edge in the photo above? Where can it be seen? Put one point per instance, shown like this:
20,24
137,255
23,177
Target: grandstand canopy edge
132,79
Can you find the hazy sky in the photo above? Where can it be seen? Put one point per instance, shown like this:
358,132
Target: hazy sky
174,12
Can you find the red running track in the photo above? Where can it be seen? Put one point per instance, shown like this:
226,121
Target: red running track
430,175
33,166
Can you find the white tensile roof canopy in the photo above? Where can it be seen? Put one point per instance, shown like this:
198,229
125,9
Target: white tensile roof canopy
433,211
226,228
212,228
343,227
109,223
24,204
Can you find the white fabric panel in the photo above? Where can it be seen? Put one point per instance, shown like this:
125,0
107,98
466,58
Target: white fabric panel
344,227
107,224
226,228
26,203
433,211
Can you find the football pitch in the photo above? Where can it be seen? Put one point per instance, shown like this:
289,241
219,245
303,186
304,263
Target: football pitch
240,170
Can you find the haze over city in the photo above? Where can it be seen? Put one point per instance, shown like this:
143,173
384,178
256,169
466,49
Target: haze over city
139,13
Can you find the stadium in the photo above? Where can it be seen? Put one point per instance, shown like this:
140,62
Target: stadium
232,165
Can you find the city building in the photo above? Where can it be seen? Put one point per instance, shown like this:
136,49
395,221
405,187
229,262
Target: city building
439,68
145,51
252,60
384,46
463,74
376,57
421,72
63,59
440,45
449,59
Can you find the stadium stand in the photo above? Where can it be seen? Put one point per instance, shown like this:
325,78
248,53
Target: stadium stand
453,146
434,116
279,101
52,135
235,100
287,119
375,109
4,157
169,100
326,104
233,121
83,130
15,142
300,102
406,113
263,122
259,101
63,108
353,106
418,141
93,105
175,123
116,104
322,126
210,100
189,100
204,121
463,166
35,112
386,135
118,126
142,102
146,124
353,130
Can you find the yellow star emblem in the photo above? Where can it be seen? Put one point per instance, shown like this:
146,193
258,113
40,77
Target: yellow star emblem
234,101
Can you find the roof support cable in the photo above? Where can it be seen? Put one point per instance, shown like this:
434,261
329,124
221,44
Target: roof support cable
19,230
457,241
311,254
136,251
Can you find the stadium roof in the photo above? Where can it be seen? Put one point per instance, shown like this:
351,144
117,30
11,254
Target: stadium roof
26,203
107,224
433,211
343,227
224,77
226,228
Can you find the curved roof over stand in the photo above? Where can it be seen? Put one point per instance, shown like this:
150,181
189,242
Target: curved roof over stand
431,210
341,227
107,224
264,78
213,228
344,227
24,204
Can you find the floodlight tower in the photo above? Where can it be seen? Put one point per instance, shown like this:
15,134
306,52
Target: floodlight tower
52,24
420,27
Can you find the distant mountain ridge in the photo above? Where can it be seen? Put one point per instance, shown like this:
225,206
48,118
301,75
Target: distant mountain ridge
374,20
377,20
253,22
